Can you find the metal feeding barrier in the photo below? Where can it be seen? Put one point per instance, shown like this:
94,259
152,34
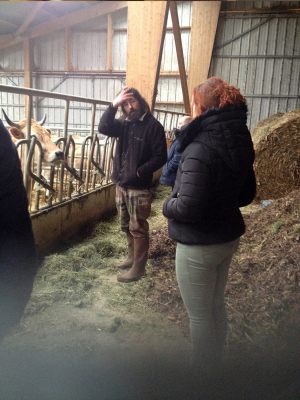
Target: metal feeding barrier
87,162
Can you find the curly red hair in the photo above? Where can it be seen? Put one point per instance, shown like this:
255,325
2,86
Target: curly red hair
214,93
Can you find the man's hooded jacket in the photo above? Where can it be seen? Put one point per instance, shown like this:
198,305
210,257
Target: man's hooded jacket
141,148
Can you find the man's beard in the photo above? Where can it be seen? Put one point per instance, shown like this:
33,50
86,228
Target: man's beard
134,115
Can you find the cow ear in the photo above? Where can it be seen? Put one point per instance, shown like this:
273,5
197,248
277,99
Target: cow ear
49,131
17,133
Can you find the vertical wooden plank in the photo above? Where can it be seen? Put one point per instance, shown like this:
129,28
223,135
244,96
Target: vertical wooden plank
109,43
27,48
205,15
68,50
146,30
180,57
27,51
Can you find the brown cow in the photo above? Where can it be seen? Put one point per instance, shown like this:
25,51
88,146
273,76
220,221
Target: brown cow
51,152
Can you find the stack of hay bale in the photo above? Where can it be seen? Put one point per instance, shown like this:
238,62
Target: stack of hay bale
277,147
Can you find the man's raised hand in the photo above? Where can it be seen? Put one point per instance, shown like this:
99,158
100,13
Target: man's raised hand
122,97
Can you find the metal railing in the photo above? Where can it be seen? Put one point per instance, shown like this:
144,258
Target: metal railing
87,163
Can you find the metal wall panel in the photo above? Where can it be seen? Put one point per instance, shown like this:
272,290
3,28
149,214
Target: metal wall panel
244,5
169,90
263,63
104,88
119,41
94,55
11,59
12,103
169,57
119,51
49,52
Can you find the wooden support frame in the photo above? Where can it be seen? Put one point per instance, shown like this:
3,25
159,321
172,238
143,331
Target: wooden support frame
109,39
28,61
204,25
146,31
29,18
180,56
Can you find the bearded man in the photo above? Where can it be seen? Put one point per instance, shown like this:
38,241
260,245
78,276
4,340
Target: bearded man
141,150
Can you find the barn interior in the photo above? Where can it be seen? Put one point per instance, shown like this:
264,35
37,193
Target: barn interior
84,335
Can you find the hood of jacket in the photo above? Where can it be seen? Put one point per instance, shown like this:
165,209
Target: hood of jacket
223,130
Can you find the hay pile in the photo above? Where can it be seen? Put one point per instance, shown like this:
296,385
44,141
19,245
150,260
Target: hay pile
277,146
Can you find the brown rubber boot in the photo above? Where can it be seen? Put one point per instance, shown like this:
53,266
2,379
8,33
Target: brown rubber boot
141,246
129,261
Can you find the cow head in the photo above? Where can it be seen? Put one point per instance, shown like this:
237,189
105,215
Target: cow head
51,152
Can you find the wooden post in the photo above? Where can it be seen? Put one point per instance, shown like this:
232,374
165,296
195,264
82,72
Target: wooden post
109,43
180,57
27,51
146,31
205,15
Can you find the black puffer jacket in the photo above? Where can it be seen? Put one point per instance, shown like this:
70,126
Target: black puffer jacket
215,178
141,148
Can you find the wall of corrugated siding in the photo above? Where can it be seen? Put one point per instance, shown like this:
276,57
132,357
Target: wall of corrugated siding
11,102
119,42
93,57
11,59
49,52
264,63
88,54
103,88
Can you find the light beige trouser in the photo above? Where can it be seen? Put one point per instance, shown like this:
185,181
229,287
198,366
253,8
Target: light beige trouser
202,272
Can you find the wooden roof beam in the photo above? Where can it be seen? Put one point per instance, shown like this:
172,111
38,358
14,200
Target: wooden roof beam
6,37
8,24
66,21
29,18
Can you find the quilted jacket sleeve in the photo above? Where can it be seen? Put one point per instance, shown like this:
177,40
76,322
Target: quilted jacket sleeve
248,191
191,195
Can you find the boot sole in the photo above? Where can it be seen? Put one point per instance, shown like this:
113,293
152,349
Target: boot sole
128,280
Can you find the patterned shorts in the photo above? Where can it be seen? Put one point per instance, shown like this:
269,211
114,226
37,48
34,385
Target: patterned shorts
134,207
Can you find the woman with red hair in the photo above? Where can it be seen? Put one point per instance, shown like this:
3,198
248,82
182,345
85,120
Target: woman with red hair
215,178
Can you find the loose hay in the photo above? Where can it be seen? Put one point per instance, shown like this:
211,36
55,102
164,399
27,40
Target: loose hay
263,295
74,275
277,165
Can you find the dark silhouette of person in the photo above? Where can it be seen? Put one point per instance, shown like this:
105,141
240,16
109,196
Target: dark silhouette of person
18,260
